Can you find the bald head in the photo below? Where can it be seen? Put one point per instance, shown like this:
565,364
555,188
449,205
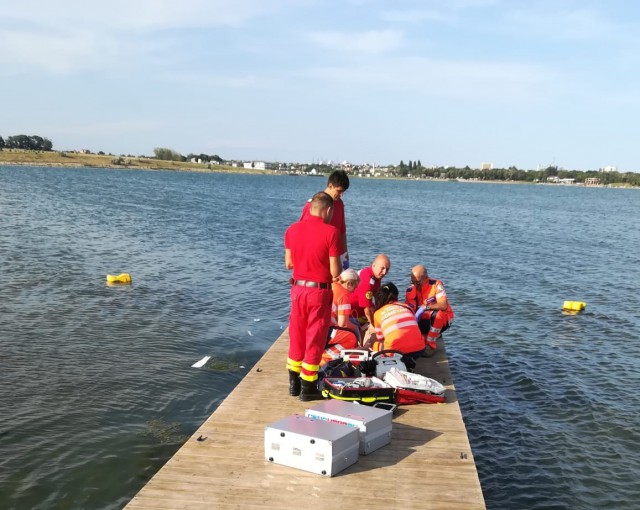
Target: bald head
418,274
381,265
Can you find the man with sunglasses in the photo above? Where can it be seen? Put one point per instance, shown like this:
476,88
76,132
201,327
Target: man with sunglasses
429,295
337,184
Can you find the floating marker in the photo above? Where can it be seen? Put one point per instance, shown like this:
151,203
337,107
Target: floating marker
201,363
120,278
574,306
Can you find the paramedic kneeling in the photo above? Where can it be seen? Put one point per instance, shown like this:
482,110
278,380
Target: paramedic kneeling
396,326
344,332
370,280
312,250
429,293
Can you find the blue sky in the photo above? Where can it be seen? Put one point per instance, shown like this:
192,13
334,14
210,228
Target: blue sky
446,82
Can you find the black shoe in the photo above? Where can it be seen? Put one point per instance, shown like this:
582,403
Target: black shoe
309,391
428,352
294,383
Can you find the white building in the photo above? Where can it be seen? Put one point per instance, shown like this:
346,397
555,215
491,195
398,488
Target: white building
259,165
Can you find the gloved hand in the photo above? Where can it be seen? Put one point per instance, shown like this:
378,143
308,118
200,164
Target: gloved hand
344,258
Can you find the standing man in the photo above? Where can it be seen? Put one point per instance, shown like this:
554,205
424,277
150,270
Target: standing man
338,183
312,250
368,287
429,293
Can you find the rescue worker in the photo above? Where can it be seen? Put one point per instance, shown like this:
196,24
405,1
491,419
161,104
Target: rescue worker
429,293
396,326
344,332
370,278
312,251
337,184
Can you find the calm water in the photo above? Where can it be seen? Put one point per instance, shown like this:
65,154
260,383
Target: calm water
96,385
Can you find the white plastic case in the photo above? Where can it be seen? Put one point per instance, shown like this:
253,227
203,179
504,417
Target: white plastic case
374,424
312,445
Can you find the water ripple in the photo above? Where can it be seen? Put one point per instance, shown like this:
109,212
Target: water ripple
96,381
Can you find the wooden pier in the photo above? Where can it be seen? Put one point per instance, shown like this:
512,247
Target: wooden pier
427,465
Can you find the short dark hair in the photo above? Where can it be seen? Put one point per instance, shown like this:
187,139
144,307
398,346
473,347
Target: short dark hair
387,293
339,179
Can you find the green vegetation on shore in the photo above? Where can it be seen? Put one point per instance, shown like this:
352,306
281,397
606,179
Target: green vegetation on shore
79,159
37,150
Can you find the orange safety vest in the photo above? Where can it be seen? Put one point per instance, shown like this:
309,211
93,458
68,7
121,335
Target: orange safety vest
339,340
342,300
397,329
430,291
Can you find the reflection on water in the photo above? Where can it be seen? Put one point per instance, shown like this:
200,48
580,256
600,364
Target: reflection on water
96,385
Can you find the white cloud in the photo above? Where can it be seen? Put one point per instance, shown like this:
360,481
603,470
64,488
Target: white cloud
121,128
70,35
461,80
140,14
566,24
373,41
413,15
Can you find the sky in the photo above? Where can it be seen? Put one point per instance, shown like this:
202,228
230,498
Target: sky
524,83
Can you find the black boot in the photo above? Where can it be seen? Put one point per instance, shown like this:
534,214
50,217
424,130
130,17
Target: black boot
294,383
309,391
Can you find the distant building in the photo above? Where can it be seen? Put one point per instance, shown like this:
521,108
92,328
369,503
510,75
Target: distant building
610,169
486,166
259,165
591,181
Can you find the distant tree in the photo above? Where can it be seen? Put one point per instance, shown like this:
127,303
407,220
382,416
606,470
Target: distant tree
168,154
1,143
402,169
29,143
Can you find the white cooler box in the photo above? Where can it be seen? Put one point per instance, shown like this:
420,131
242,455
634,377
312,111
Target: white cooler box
317,446
374,424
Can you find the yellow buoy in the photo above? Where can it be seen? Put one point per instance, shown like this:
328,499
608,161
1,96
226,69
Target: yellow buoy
121,278
574,306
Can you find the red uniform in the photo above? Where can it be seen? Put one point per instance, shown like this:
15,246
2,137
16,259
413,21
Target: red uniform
432,322
342,303
311,243
344,337
337,218
367,288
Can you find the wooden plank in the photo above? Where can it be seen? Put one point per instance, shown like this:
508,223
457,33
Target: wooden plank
428,465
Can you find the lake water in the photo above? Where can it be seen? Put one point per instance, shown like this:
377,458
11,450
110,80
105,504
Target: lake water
96,385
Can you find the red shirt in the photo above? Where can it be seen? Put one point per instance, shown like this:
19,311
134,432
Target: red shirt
337,218
312,242
367,288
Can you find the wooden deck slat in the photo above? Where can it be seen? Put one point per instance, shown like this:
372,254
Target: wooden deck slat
428,465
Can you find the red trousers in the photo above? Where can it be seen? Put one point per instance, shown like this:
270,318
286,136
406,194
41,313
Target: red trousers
308,326
433,323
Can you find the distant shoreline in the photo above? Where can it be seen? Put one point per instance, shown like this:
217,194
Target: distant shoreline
62,159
